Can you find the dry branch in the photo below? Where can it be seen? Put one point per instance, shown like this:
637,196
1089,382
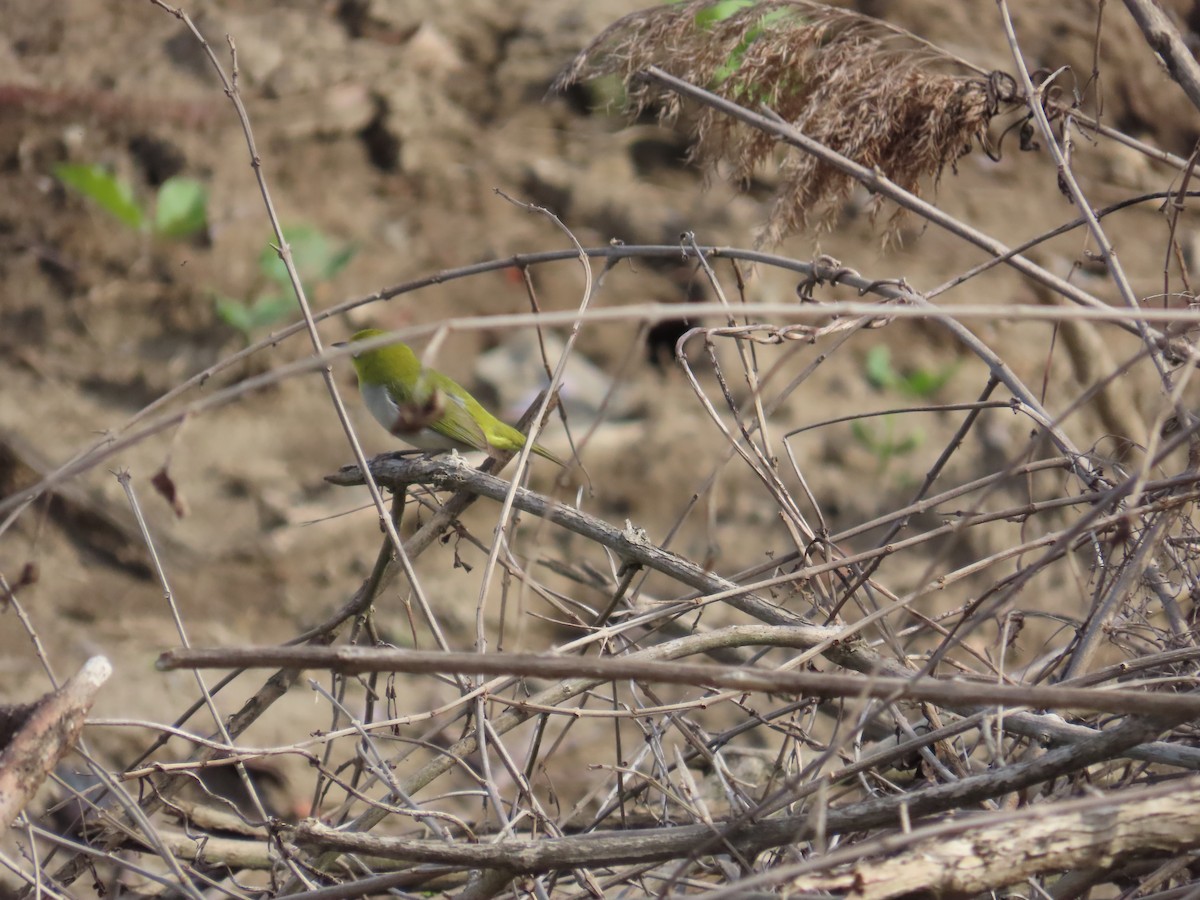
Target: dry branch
447,474
899,117
1092,833
1164,38
629,846
357,660
37,736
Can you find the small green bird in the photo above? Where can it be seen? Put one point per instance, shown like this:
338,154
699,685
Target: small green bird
426,409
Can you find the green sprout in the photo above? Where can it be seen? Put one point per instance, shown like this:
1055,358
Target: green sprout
919,383
180,207
883,442
315,259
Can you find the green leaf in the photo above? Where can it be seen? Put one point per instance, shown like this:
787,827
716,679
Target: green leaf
863,435
104,189
314,258
339,261
908,444
307,243
881,441
181,209
878,368
720,11
271,265
924,383
234,313
250,317
270,310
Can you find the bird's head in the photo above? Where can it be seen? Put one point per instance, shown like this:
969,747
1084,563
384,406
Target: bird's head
384,365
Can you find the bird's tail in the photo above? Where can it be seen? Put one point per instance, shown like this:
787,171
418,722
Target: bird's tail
546,454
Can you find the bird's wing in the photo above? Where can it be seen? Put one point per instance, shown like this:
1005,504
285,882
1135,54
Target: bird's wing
456,422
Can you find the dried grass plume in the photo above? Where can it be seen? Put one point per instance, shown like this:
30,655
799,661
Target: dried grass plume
870,91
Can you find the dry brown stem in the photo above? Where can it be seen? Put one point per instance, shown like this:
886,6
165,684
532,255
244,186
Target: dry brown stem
38,735
1089,834
909,682
354,660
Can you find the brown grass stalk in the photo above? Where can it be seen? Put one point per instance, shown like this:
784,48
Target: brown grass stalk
864,89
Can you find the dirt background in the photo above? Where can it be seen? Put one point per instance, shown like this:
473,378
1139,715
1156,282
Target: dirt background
388,125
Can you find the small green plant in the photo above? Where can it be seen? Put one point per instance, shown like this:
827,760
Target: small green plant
316,260
180,206
883,442
919,383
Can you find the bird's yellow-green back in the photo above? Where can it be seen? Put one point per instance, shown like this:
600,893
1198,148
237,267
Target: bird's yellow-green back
462,422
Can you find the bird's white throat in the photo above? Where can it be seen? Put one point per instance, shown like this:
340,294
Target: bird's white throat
388,414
